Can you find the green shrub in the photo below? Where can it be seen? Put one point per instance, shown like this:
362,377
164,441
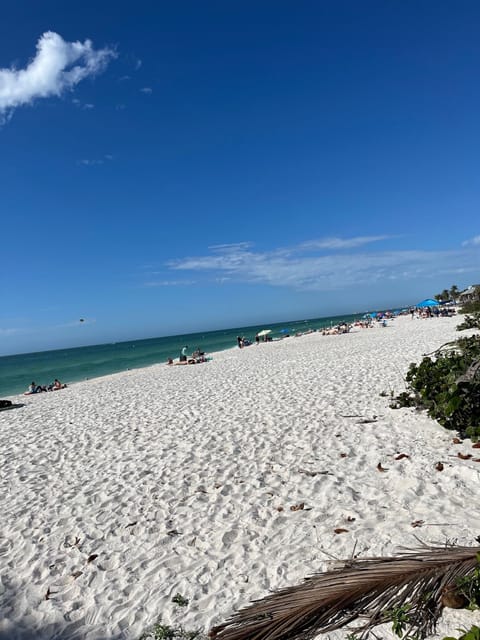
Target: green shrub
471,634
448,387
161,631
470,322
473,306
179,600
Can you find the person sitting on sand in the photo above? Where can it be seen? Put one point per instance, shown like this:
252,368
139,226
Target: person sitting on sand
58,385
34,388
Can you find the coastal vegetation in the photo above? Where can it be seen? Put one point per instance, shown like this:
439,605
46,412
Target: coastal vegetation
448,294
161,631
469,304
446,383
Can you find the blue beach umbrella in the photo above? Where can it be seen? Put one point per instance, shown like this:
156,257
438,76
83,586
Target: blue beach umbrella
429,302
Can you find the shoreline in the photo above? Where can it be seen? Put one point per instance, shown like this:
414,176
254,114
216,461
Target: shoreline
182,480
105,359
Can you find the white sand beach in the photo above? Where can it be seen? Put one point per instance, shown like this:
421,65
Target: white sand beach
120,492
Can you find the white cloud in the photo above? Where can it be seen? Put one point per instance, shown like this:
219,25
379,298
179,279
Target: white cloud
341,243
337,270
230,247
96,161
84,105
170,283
57,66
147,90
475,241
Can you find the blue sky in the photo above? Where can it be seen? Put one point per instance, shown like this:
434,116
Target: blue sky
170,167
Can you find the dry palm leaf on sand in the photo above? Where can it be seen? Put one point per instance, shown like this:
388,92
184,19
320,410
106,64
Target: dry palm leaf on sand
421,581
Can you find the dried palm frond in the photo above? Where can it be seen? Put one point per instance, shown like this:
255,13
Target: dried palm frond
420,581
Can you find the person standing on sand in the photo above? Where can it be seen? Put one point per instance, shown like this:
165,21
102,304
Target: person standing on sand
240,342
183,353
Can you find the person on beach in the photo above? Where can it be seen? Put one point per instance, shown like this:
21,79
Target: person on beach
183,354
240,342
34,388
58,385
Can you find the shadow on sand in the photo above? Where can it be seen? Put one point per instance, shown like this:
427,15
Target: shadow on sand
26,627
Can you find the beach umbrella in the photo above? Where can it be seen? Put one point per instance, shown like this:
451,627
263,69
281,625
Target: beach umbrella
429,302
264,332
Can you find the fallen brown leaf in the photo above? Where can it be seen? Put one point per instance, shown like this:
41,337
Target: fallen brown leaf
418,523
457,441
340,530
452,598
343,455
476,445
279,508
439,466
297,507
350,519
402,456
380,468
464,456
475,459
92,557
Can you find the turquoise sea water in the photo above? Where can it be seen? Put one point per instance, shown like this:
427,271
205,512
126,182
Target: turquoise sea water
72,365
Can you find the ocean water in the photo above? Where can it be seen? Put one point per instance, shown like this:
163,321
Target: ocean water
81,363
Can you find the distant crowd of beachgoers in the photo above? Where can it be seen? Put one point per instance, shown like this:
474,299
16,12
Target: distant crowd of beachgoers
369,320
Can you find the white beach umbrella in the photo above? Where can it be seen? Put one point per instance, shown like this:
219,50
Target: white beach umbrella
264,332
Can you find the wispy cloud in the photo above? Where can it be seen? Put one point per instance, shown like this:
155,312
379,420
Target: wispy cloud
82,105
329,268
86,162
169,283
475,241
240,246
342,243
146,90
57,66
